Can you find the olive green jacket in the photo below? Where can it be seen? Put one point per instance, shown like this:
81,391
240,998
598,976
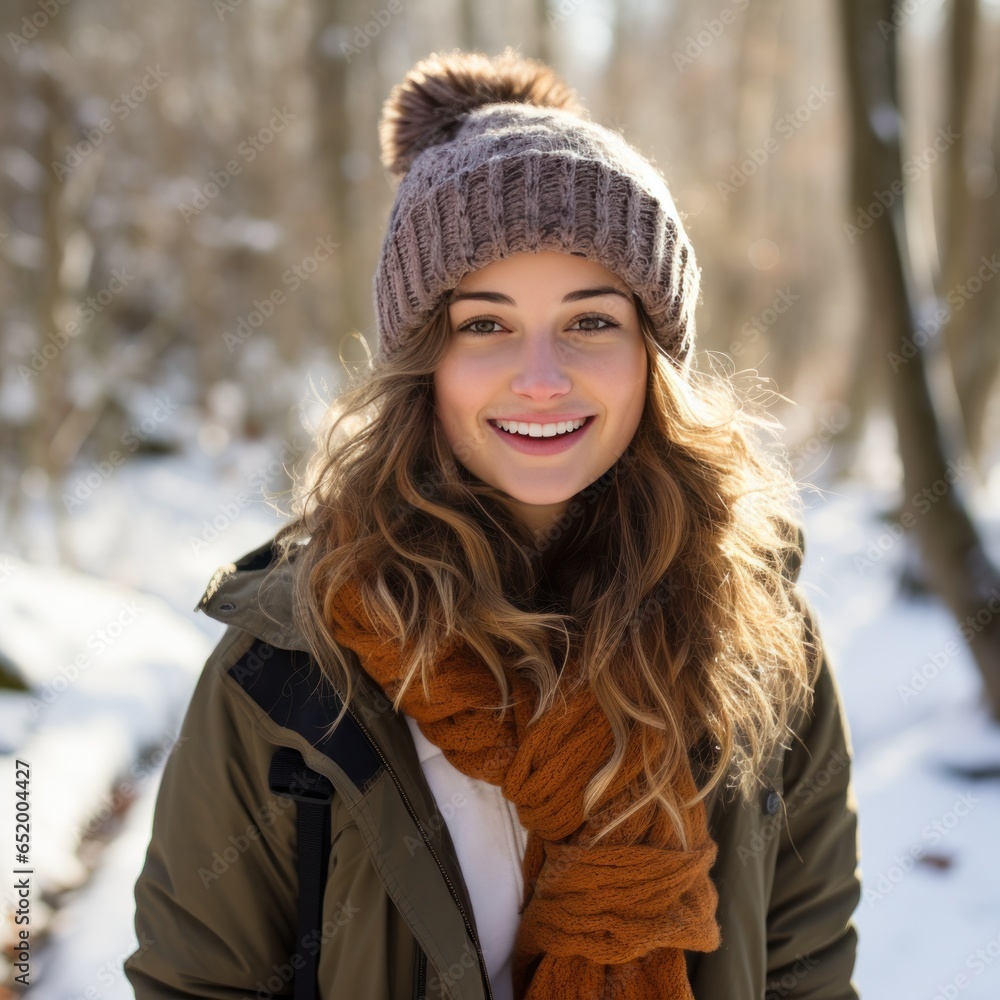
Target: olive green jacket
216,902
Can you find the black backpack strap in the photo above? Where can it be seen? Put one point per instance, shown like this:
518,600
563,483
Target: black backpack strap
290,777
291,689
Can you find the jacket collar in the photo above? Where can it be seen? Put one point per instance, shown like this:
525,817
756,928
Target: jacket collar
252,595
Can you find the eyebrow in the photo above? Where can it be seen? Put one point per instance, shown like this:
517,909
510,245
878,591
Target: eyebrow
500,299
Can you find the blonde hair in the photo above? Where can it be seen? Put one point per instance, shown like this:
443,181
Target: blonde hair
699,635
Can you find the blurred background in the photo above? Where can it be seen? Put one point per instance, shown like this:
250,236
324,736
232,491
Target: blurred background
191,207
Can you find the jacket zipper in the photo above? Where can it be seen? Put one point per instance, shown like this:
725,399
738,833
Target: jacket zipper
421,993
433,853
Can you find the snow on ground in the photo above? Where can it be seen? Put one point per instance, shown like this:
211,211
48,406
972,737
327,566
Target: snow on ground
112,666
929,919
929,922
107,690
88,954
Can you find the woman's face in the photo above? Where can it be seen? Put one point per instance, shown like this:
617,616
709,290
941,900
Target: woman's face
541,339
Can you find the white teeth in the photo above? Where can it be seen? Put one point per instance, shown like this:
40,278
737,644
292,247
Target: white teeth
540,430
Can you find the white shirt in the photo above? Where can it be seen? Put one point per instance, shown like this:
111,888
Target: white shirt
490,841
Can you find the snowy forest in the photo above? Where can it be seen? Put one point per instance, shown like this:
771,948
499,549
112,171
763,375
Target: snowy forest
191,210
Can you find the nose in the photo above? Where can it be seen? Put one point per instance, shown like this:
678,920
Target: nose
541,367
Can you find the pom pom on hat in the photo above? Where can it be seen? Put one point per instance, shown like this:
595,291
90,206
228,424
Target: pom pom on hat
430,103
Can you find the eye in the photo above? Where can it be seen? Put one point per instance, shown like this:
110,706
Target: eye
469,326
596,318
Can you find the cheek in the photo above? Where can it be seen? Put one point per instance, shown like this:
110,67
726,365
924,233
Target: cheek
626,376
454,394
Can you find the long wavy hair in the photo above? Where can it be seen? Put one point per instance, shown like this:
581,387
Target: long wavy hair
668,576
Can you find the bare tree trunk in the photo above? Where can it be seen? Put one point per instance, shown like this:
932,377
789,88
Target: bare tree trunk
468,25
962,73
51,383
954,557
972,223
329,71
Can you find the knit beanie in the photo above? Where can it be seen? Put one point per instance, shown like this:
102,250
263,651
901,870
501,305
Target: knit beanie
496,157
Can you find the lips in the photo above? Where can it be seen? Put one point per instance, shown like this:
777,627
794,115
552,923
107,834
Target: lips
541,423
543,445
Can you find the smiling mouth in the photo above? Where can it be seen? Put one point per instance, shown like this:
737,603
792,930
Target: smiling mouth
538,430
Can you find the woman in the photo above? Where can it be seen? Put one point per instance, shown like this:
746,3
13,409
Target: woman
536,623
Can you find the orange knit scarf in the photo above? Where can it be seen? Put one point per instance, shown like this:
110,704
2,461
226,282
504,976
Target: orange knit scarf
611,920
